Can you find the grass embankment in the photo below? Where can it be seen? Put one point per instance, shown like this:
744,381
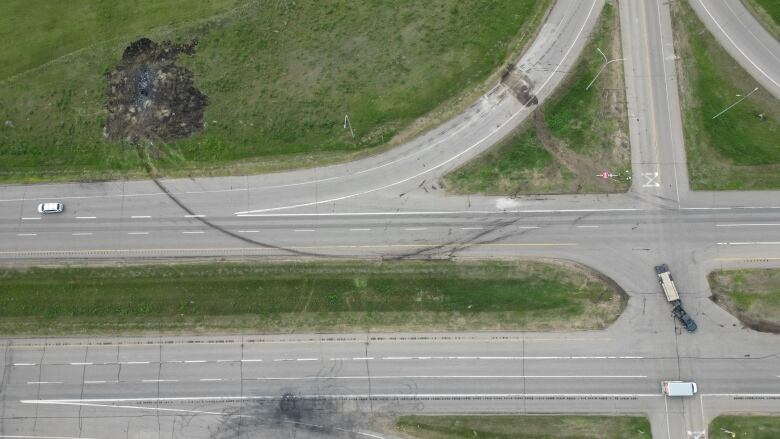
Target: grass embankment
747,427
753,296
284,297
525,427
738,150
768,13
280,77
575,135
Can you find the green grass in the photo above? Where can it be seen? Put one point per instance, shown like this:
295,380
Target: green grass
586,124
739,149
753,296
772,7
280,76
767,12
745,427
525,427
281,297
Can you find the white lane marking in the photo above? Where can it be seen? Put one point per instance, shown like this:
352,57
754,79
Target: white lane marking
363,396
25,364
140,216
306,359
248,231
509,120
588,227
44,382
137,233
303,230
747,225
603,357
94,382
359,230
251,360
131,362
414,229
472,228
729,208
86,217
666,90
459,377
194,361
194,216
159,381
744,26
81,364
194,233
81,234
735,45
527,227
362,358
750,243
458,212
31,218
26,234
210,379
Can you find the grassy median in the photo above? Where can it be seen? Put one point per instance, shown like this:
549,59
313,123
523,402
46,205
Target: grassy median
753,296
748,427
738,149
314,296
280,77
577,134
767,12
525,427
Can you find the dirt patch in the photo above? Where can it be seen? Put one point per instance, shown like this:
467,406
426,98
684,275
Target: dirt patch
150,97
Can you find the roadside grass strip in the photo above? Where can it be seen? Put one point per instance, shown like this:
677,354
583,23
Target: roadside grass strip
731,124
524,427
745,426
311,296
753,296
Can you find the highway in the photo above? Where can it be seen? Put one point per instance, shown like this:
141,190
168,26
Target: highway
392,206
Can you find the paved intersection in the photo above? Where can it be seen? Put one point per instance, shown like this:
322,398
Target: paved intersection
391,205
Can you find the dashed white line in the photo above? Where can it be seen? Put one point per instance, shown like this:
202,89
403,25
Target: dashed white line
415,229
587,227
359,230
81,364
306,359
210,379
433,377
159,381
747,225
137,233
472,228
86,217
44,382
140,216
94,382
194,216
81,234
250,360
133,362
25,364
303,230
527,227
248,231
31,218
362,358
194,361
750,243
26,234
194,233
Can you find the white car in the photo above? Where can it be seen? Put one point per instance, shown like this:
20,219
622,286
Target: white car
50,207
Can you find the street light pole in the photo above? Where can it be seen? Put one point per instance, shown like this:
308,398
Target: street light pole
602,67
735,103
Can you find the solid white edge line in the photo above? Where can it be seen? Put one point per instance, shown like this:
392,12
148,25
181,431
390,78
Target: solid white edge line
747,225
452,212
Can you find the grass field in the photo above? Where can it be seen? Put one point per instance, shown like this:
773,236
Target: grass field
745,427
285,297
739,149
768,13
280,76
751,295
525,427
582,133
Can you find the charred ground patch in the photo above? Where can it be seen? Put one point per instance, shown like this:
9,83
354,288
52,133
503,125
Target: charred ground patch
150,97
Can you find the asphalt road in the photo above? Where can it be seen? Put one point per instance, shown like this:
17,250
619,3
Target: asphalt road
392,205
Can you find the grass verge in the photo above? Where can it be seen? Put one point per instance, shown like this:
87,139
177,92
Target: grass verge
767,12
524,427
737,150
753,296
745,426
312,296
280,77
577,134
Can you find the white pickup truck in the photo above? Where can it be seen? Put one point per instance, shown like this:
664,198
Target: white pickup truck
679,388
